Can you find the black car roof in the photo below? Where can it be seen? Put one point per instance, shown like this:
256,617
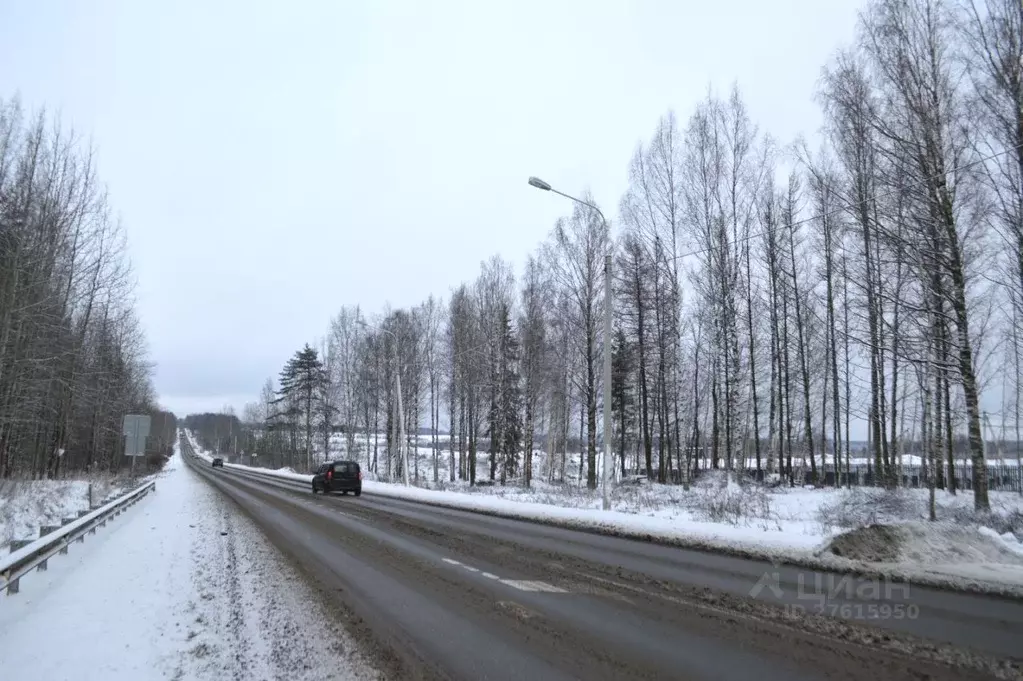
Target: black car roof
356,463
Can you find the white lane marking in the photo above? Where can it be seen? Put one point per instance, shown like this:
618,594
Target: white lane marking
520,584
532,585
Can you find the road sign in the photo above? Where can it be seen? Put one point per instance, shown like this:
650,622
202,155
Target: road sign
135,429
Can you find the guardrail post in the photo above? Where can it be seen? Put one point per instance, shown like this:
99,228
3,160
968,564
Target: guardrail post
43,531
19,543
65,521
12,587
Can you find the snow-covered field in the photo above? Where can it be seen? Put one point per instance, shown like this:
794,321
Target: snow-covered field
27,505
182,586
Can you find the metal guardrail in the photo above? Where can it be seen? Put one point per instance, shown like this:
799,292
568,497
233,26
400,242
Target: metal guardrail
37,554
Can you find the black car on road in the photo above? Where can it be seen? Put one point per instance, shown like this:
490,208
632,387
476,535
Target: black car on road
218,462
338,476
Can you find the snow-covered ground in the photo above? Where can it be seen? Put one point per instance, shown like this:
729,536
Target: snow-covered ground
809,526
182,586
27,505
782,523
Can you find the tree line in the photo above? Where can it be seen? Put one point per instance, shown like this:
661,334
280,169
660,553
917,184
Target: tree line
219,432
72,351
767,296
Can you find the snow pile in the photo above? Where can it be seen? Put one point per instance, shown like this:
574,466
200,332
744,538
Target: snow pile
1007,540
945,549
924,543
951,543
872,544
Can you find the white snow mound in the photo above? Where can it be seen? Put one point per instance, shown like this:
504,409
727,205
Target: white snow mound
926,544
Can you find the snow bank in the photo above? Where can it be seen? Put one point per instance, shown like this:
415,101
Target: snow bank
27,505
923,543
926,555
1006,540
945,550
199,451
786,525
666,529
283,473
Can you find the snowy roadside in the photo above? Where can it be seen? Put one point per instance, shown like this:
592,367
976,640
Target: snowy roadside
944,554
794,526
183,587
28,505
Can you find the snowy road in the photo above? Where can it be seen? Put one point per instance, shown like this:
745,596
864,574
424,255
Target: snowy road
450,594
182,586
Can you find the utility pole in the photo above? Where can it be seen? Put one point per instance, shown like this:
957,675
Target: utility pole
607,381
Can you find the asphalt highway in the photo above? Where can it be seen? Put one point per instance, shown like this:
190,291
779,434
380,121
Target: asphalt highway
437,593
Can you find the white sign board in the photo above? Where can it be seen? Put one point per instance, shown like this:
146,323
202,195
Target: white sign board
135,429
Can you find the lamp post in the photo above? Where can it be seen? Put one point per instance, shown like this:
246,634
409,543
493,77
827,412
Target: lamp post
402,451
540,184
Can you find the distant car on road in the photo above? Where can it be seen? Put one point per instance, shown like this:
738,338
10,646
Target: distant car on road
338,476
218,462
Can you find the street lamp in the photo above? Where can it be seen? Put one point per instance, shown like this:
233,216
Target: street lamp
402,451
540,184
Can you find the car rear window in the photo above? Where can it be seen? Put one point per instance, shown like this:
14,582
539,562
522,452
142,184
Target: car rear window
346,467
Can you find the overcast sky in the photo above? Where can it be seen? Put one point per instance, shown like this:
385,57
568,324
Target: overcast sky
273,161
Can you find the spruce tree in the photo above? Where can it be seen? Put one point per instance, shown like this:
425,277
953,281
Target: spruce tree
510,399
300,392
